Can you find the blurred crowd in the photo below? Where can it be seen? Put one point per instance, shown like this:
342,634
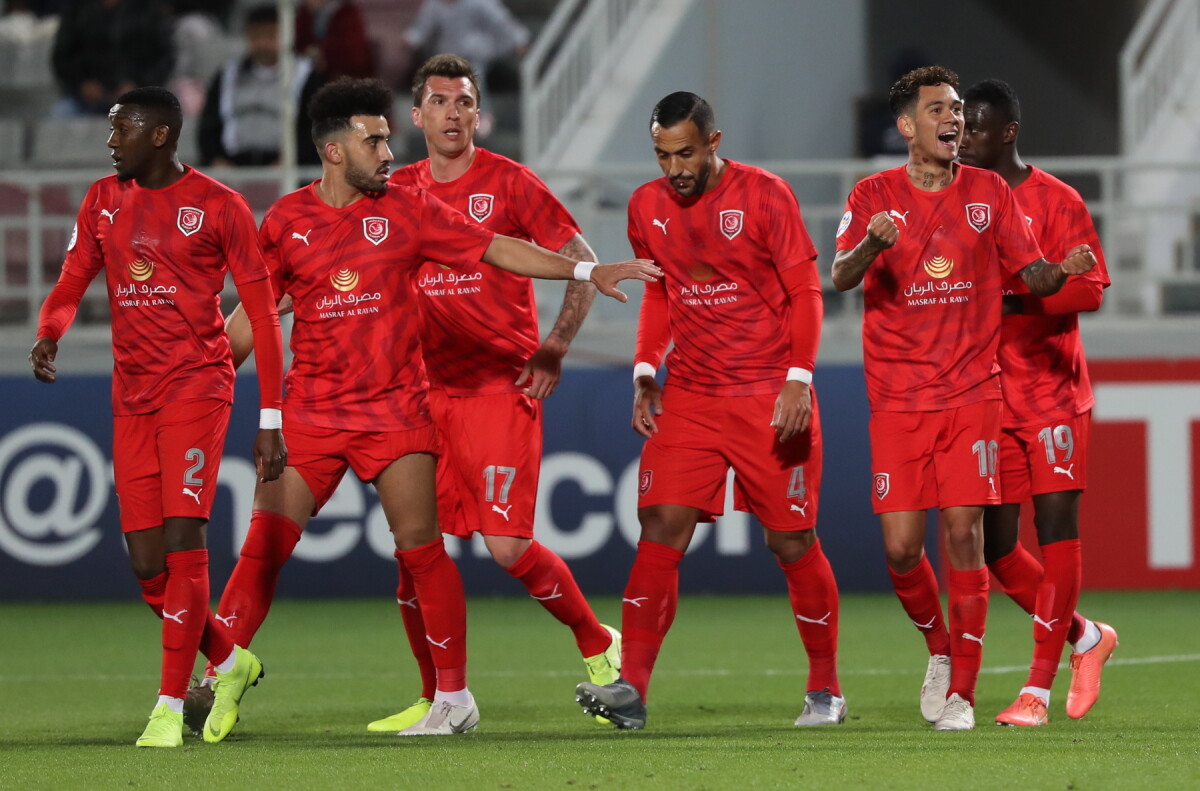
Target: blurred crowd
70,59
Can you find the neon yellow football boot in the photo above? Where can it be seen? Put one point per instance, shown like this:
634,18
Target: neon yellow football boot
165,728
228,692
404,720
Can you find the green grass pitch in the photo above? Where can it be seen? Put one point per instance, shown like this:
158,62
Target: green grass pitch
78,680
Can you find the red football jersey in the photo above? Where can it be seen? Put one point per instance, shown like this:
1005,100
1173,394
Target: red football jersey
356,356
931,319
1041,356
480,323
722,254
165,253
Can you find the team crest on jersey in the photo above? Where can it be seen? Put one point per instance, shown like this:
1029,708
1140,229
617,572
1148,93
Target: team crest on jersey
731,222
190,220
979,215
375,229
480,205
645,481
882,484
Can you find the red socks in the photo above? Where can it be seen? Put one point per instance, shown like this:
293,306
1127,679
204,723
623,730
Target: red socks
414,627
812,590
251,588
1057,596
184,613
648,609
550,582
214,643
968,622
439,591
918,594
1020,575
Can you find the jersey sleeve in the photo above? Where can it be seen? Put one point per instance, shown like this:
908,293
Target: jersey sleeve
654,327
447,236
84,257
856,218
268,237
1077,228
243,250
782,228
546,221
1015,242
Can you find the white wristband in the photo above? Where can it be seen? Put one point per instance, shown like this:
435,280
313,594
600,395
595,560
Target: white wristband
799,375
270,418
643,369
583,270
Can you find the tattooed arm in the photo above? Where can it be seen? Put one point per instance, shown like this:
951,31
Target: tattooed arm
849,266
1044,278
543,369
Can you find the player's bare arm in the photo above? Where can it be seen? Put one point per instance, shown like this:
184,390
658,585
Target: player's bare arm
241,338
849,266
1044,278
523,258
793,410
543,369
41,357
647,403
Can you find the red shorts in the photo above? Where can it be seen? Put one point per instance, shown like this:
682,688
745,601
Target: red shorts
700,437
935,459
487,476
165,463
321,455
1039,459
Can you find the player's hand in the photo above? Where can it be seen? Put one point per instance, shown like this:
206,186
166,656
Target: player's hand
882,233
1079,261
647,403
542,371
41,357
606,276
270,454
793,410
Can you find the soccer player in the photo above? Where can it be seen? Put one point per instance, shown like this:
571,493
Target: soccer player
487,369
933,242
345,250
742,302
1047,418
165,235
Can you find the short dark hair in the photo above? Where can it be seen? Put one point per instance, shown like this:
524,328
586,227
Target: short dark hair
1000,95
263,14
684,106
906,89
332,107
160,105
443,65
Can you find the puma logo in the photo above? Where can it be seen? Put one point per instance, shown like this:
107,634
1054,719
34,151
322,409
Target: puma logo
194,495
901,217
111,215
801,508
554,594
173,617
636,602
823,620
303,238
1048,624
1066,472
992,484
968,636
441,645
502,511
227,621
661,224
408,602
924,626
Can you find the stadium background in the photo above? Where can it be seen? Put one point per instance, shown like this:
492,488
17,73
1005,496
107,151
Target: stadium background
795,86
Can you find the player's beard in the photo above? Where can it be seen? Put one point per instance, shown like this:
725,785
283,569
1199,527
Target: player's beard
362,180
698,183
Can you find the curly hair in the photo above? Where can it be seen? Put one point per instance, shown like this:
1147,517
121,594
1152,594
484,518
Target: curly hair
444,65
905,91
1000,95
332,107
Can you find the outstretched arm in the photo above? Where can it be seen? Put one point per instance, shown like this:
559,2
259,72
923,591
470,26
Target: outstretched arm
523,258
543,369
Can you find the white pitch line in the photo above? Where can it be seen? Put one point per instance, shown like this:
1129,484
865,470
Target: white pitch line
102,677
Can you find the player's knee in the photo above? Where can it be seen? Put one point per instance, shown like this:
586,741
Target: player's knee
145,568
507,555
790,546
902,556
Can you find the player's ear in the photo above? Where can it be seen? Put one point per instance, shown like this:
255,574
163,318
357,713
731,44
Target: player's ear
416,117
1010,131
160,135
714,141
906,127
333,152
